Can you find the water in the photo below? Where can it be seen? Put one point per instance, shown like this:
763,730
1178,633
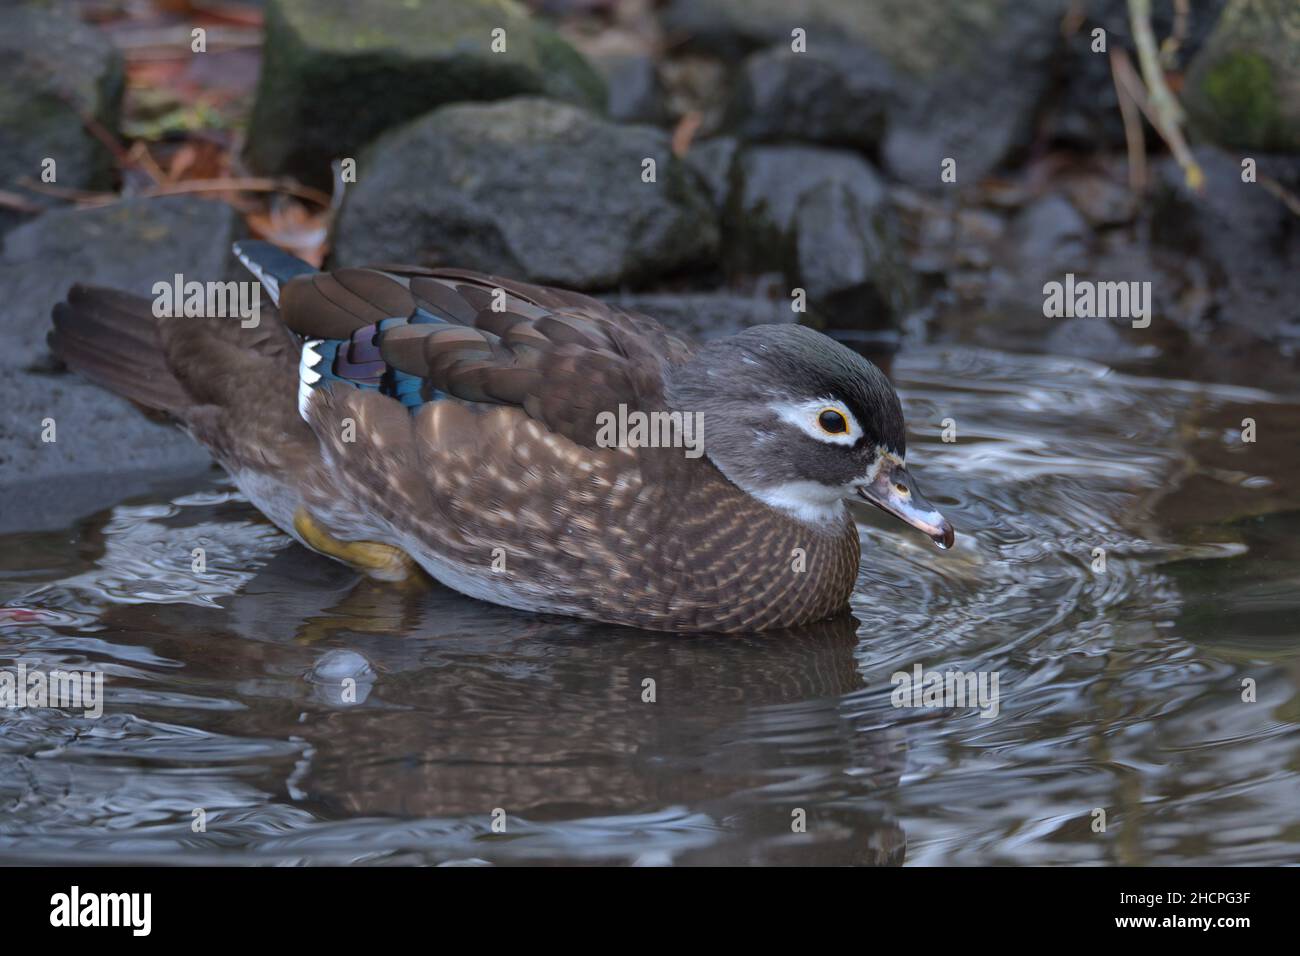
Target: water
1119,691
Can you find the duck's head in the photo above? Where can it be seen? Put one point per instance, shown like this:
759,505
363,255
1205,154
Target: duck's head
801,423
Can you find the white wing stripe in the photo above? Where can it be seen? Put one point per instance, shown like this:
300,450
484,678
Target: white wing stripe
307,375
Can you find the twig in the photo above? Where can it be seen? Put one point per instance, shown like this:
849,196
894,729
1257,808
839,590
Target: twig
246,185
1121,73
140,156
685,132
61,192
1281,193
1166,106
166,43
1163,110
19,203
1073,18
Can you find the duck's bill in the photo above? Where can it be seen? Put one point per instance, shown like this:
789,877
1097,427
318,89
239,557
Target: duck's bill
894,492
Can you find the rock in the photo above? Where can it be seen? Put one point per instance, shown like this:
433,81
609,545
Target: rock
1044,241
54,66
635,93
712,161
949,239
986,77
709,315
1049,240
1241,237
1102,200
848,260
1243,87
768,184
1091,339
130,246
1084,113
969,75
337,73
1049,236
821,217
532,189
836,94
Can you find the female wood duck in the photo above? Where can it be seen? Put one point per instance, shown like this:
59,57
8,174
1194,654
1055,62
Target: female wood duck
397,416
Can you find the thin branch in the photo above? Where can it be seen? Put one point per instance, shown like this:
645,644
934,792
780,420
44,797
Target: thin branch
241,185
238,185
1073,19
1281,193
19,203
62,192
1163,110
1121,73
140,157
684,133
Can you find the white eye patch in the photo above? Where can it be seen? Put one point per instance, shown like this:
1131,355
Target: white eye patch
805,415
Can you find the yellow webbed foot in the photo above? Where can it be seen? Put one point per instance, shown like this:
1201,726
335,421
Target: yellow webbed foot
382,561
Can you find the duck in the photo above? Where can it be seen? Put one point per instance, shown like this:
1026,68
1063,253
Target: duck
411,421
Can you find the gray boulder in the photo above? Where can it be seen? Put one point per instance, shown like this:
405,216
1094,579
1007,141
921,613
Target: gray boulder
55,66
768,185
1047,237
712,160
129,246
837,94
821,217
636,94
968,76
1238,235
337,73
848,261
1045,240
531,189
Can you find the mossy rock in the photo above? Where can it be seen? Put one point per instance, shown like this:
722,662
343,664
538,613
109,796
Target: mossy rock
337,73
1243,88
56,69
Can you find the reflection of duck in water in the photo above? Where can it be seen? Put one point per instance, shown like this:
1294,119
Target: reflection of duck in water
462,421
477,708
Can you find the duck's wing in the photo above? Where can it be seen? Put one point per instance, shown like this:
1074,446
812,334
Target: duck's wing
418,335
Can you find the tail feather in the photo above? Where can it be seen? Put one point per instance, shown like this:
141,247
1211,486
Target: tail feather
112,339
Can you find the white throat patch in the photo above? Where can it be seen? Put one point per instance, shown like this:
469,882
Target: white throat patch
815,503
808,501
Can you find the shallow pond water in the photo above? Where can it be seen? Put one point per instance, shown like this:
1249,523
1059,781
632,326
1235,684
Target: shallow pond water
1119,690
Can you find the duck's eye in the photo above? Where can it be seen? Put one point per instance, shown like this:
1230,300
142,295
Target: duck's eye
832,422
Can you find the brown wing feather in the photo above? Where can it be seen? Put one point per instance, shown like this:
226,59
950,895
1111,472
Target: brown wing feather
562,356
